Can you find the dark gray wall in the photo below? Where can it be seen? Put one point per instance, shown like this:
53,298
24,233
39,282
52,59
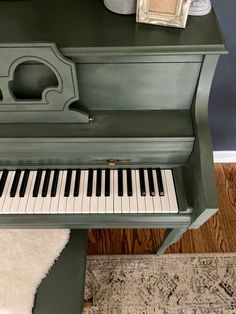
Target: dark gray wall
223,94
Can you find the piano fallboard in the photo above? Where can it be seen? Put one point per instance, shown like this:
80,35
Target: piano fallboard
133,138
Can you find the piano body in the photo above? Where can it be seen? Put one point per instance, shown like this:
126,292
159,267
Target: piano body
104,122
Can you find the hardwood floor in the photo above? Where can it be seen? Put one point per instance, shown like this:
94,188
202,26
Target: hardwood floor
217,235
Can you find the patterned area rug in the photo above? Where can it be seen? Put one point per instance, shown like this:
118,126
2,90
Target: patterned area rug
170,284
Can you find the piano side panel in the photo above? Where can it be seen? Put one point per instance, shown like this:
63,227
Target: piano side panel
198,172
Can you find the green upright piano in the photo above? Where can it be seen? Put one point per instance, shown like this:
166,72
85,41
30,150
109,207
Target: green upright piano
103,124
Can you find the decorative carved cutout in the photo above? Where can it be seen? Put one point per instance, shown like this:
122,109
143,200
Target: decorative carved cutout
31,79
0,95
53,107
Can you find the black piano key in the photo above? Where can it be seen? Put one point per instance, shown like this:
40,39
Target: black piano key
54,183
15,183
68,183
46,183
77,183
160,182
129,183
24,183
99,183
90,183
142,182
37,183
107,182
3,181
151,182
120,183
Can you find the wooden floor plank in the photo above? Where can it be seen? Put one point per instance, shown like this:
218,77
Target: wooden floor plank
217,235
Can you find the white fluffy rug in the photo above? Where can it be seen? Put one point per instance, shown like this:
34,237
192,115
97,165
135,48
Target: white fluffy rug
26,257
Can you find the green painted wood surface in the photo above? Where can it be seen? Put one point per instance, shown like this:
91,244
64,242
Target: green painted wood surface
62,290
53,106
171,236
96,221
76,25
199,171
93,56
138,86
110,124
132,137
126,86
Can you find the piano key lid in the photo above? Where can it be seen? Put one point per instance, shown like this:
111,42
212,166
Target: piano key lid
55,103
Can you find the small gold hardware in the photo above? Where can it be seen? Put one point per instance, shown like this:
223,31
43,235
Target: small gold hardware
112,162
91,119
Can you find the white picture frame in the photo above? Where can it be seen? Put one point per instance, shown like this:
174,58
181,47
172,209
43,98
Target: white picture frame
172,13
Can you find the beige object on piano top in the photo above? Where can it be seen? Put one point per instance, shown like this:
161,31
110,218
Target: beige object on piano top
25,258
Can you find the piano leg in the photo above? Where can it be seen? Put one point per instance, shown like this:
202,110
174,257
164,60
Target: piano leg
62,291
171,236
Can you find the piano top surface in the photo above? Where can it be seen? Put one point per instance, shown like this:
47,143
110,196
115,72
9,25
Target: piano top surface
77,24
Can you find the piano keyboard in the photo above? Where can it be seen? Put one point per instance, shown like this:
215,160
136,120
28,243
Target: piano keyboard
87,191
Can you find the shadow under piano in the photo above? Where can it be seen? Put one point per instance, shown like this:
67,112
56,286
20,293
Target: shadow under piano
103,124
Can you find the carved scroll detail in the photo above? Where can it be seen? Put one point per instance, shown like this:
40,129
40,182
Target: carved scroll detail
55,102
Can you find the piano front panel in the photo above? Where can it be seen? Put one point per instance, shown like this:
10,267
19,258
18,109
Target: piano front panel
94,152
131,137
135,86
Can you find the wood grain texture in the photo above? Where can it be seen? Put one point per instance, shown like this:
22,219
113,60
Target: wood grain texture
217,235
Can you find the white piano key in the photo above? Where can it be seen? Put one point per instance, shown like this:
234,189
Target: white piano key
148,198
140,199
171,191
117,199
165,199
125,198
86,199
47,199
102,198
39,199
79,199
133,201
62,199
24,200
71,198
110,199
8,200
55,200
31,200
156,199
6,191
2,198
14,201
94,198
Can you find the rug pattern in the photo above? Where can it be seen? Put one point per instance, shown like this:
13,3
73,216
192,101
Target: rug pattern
170,284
